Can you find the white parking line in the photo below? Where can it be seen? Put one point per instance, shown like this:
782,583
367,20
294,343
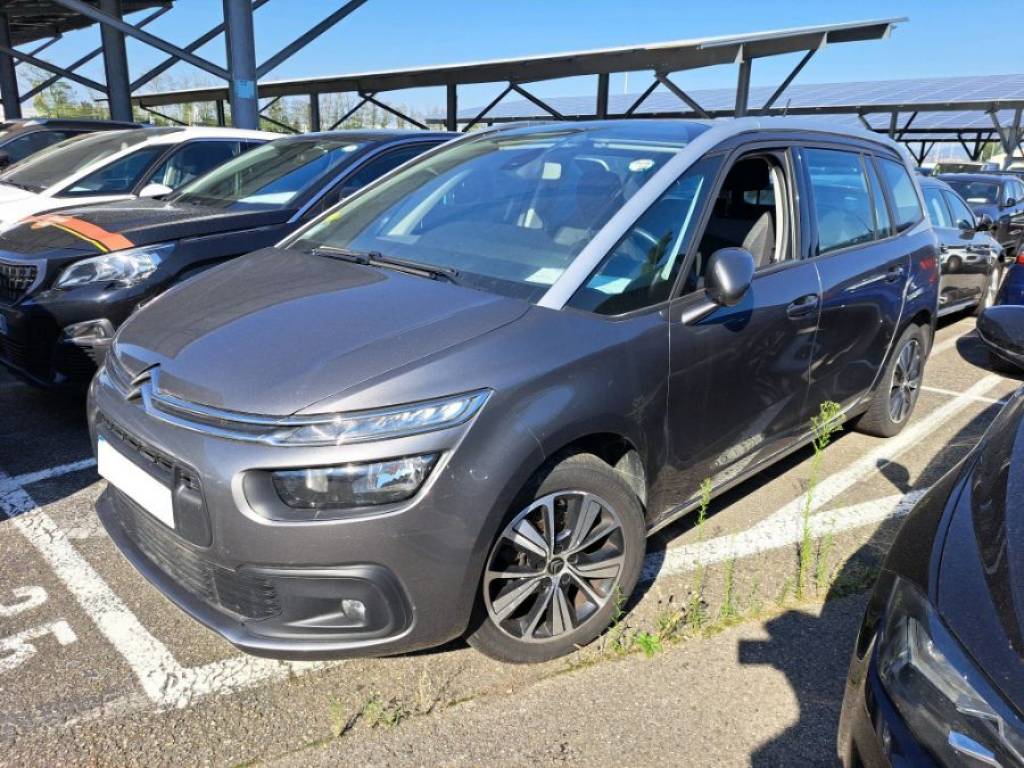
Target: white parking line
165,682
948,344
785,526
46,474
953,393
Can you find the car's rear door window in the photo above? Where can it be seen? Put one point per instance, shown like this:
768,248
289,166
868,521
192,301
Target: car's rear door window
962,215
843,211
883,222
116,178
907,206
192,160
936,208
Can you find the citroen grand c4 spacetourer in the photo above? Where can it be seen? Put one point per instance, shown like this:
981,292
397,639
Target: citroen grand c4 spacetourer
459,401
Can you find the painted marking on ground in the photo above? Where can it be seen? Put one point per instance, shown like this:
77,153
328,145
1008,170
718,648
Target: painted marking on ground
948,344
954,393
46,474
785,525
165,682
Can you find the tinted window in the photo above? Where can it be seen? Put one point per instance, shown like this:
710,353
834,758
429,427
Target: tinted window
902,193
21,147
883,224
642,267
191,160
380,165
842,205
118,177
977,192
936,208
959,209
509,210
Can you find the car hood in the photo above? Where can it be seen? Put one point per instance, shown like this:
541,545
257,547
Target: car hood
277,331
980,588
9,194
124,224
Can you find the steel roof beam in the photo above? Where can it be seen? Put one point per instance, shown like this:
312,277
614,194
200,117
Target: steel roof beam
347,115
370,98
66,73
480,115
534,100
789,78
305,39
91,12
682,95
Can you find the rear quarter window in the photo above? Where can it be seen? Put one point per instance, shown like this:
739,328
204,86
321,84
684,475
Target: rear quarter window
906,204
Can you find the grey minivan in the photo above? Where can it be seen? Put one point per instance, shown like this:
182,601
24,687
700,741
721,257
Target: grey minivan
457,403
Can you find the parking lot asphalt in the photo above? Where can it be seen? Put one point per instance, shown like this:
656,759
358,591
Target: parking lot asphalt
97,669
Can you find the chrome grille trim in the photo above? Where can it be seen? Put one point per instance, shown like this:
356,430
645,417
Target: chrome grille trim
19,278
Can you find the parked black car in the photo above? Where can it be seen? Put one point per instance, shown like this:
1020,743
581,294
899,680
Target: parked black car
69,279
1000,196
458,402
937,676
1001,328
21,138
971,260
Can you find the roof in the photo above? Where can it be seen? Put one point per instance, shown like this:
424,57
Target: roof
357,134
670,56
995,178
32,20
944,104
172,135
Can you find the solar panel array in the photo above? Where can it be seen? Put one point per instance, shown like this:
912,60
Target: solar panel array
862,95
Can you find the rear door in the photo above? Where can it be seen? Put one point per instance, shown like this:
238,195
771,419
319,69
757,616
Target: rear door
860,208
959,281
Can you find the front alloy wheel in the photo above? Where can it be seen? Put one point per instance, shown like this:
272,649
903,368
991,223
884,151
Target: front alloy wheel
554,566
906,381
568,555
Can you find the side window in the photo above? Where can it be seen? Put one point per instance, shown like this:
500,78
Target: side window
901,191
118,177
377,167
193,159
961,213
642,267
883,224
21,147
842,206
936,208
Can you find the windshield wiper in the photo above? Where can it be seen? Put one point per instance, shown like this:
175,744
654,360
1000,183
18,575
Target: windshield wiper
378,259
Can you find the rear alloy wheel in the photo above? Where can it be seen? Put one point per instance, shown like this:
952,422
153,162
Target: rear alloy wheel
557,568
991,290
893,401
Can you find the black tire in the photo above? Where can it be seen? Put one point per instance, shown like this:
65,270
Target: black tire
988,297
879,419
568,485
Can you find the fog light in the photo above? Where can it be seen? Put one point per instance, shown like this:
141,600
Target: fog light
354,485
355,610
89,332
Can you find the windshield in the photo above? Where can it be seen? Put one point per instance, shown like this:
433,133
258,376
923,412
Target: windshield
510,210
66,158
271,176
976,192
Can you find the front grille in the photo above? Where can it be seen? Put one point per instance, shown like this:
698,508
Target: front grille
252,597
15,280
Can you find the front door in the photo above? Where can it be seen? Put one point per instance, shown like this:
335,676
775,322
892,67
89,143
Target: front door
863,264
738,375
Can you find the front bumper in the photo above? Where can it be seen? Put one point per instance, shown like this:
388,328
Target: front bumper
274,588
35,348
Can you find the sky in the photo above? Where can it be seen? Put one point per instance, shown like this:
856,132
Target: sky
940,38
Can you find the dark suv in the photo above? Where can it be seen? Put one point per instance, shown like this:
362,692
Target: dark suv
458,402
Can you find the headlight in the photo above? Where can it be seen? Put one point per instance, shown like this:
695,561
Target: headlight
400,421
354,485
126,267
945,700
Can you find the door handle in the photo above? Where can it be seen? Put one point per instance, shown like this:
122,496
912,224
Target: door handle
803,306
894,274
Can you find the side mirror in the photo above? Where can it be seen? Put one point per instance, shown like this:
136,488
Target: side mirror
5,159
729,275
985,223
1010,202
1002,329
155,190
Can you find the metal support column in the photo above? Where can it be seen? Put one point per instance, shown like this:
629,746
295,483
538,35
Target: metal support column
451,115
241,48
602,96
743,88
221,119
314,111
8,77
1013,139
115,64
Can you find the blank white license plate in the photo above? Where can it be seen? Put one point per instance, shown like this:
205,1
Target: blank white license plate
140,486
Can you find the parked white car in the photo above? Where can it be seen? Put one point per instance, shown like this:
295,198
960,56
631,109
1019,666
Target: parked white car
117,165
